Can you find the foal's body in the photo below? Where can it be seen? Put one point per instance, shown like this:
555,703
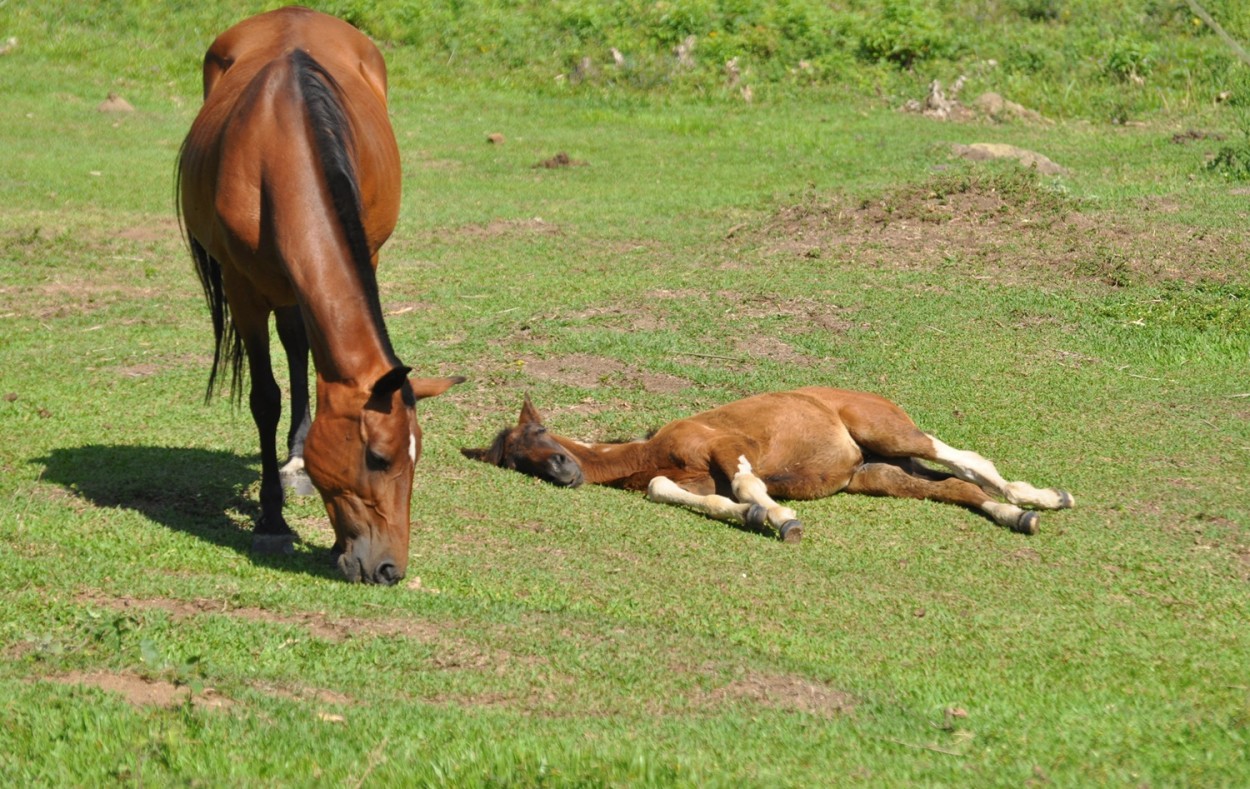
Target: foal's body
733,462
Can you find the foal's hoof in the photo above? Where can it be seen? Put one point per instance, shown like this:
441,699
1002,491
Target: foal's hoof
1027,524
756,517
273,544
791,532
1066,502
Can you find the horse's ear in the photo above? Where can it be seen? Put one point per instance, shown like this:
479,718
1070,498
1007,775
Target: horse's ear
390,382
529,414
432,387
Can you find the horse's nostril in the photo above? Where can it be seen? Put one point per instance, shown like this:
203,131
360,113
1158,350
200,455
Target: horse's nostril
559,459
388,574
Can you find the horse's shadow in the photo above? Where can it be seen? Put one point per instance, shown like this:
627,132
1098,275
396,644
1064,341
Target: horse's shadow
186,490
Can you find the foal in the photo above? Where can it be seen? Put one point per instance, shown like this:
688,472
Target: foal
730,463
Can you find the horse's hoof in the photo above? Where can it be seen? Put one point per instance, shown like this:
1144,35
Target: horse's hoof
756,517
1027,524
296,482
273,544
791,532
1066,502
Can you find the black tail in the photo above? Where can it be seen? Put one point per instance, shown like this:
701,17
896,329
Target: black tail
227,344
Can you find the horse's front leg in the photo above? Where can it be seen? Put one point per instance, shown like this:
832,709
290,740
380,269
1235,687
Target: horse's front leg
272,534
294,339
751,489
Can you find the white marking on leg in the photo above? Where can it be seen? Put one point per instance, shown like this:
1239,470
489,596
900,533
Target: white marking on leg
971,467
664,491
751,489
1007,515
412,447
294,465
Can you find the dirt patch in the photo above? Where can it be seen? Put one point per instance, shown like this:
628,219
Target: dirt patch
588,372
154,230
786,692
301,693
143,691
1007,227
319,625
561,159
762,346
497,228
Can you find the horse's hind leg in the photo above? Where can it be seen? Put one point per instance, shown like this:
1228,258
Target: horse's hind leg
751,489
294,339
889,479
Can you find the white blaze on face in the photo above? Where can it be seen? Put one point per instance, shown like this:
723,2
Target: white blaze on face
412,447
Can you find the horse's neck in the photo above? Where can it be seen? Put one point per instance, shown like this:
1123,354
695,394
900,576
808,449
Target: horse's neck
610,464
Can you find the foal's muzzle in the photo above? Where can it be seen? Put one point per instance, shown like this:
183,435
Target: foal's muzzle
564,471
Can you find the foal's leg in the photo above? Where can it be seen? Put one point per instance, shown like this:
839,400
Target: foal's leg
749,488
888,479
663,490
881,428
975,469
295,342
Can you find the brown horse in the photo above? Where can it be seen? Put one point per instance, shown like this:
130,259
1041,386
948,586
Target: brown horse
289,183
731,462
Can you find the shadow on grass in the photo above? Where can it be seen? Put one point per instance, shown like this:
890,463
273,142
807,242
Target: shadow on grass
186,490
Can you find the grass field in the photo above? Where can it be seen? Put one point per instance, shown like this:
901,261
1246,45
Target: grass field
1088,330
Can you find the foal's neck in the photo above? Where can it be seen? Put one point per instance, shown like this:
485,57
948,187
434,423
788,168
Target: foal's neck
613,464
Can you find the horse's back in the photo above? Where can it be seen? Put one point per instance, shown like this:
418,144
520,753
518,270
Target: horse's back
252,43
244,140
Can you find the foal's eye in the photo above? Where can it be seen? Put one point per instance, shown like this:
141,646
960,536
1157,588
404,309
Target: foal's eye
375,462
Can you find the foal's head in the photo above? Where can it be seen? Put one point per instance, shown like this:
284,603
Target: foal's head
360,454
530,449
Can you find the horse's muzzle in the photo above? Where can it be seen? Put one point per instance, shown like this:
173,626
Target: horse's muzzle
354,569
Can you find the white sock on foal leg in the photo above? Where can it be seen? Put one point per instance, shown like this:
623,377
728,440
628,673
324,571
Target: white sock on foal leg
971,467
750,488
664,491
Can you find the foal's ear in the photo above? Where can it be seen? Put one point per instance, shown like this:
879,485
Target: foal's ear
529,414
432,387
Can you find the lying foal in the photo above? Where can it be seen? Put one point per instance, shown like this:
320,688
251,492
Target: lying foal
731,462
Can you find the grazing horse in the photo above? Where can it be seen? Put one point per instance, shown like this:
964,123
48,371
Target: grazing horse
289,183
730,463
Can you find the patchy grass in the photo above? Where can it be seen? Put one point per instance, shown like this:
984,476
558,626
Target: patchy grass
1086,330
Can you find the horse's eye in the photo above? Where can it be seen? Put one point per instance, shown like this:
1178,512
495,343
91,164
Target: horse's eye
375,462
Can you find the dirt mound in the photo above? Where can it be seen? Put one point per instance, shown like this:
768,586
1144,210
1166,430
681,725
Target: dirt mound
1001,225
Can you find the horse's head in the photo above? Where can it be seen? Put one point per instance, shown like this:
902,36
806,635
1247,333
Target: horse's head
530,449
360,453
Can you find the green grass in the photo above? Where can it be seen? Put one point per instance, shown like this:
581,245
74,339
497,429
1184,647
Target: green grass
1088,331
